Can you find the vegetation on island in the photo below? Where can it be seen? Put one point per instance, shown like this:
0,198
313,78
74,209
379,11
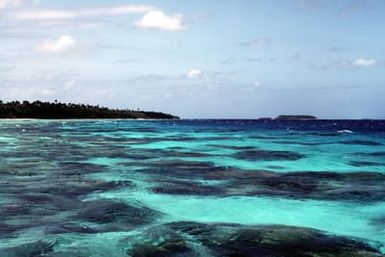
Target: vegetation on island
295,117
57,110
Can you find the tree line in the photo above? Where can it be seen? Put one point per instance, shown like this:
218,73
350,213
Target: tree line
57,110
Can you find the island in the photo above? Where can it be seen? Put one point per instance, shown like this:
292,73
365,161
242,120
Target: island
265,119
57,110
295,117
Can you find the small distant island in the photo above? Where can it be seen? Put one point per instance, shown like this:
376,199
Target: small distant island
57,110
295,117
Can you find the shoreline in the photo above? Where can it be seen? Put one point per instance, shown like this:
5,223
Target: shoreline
83,119
185,119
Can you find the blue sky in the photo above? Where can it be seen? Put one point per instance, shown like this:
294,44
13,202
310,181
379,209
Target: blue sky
196,58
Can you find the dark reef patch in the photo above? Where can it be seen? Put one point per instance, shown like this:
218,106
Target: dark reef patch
281,142
160,242
74,189
378,222
70,253
190,239
266,137
182,176
80,168
70,228
178,168
233,147
324,134
181,154
166,153
36,201
7,230
371,154
365,164
122,216
267,155
360,142
177,187
36,249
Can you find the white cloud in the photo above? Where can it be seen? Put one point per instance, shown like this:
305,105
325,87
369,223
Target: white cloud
350,64
58,14
9,3
362,62
257,83
63,44
194,74
251,87
159,20
258,42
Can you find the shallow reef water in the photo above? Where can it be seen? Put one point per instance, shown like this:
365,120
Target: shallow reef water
90,188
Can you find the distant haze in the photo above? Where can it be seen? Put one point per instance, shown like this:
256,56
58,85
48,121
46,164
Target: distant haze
198,58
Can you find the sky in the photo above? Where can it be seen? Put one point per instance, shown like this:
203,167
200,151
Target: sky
198,58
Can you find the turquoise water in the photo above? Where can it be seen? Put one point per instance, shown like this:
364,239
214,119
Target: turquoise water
85,186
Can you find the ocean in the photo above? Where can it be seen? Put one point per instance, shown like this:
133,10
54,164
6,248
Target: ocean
139,188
